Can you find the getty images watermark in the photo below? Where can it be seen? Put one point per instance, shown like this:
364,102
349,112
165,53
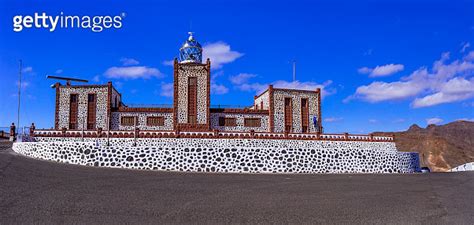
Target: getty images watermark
51,23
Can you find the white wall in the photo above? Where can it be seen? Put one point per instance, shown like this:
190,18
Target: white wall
227,155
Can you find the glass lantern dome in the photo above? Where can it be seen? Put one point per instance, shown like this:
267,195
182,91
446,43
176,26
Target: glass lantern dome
190,51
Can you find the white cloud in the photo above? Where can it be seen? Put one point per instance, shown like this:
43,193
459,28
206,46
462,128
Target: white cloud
383,91
434,120
364,70
167,89
468,104
308,85
469,56
118,85
373,121
168,62
311,86
369,51
241,78
399,120
129,61
96,78
218,89
466,119
333,119
465,45
446,82
220,53
24,84
58,71
255,87
241,82
456,89
133,72
27,69
382,71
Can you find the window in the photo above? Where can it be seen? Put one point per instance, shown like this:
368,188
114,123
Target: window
304,129
304,115
252,122
91,110
261,105
155,121
192,100
91,98
73,110
288,115
227,122
128,120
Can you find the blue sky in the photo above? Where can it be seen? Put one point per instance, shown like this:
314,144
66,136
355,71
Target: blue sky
383,65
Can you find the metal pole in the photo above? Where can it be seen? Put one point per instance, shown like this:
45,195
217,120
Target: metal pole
19,96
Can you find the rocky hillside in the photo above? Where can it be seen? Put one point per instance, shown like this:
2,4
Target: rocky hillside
440,147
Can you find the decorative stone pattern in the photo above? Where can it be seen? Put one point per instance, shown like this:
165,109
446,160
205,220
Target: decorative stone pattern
265,98
184,72
227,155
64,101
240,122
141,122
296,96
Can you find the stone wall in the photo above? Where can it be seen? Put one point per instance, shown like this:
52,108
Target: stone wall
226,155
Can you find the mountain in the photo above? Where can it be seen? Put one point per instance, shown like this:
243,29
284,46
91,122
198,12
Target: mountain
440,147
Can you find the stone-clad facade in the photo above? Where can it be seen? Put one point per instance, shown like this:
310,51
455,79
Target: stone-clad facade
296,97
184,73
81,92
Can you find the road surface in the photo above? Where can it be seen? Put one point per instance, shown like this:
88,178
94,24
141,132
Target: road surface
35,191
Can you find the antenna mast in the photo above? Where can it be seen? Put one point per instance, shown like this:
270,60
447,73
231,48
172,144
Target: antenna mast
19,93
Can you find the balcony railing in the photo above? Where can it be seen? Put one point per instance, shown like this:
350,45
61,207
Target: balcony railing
209,134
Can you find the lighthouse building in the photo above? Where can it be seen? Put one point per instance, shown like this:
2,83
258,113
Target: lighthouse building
101,107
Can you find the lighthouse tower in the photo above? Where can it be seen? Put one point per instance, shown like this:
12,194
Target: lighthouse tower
191,88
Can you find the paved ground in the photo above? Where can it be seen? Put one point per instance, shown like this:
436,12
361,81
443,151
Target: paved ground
33,191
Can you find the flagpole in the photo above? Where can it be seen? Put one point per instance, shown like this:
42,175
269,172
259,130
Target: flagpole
19,95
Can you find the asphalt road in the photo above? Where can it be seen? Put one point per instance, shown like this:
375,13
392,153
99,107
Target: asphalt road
40,192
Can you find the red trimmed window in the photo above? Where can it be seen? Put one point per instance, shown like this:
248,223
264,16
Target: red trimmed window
128,120
155,121
73,110
91,111
192,100
304,115
288,115
227,122
252,122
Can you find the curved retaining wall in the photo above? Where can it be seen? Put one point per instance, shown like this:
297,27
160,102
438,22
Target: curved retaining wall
226,155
